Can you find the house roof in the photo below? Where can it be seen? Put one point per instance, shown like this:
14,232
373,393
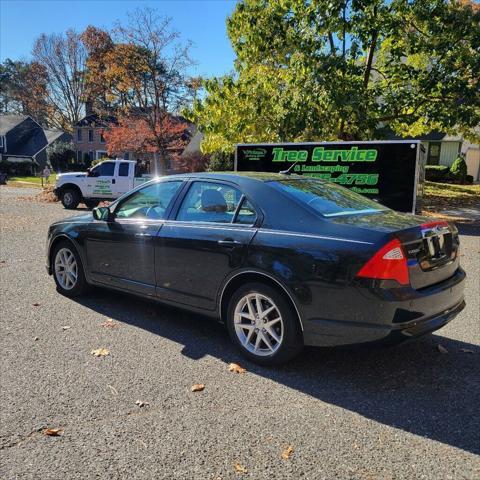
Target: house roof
96,120
7,122
26,137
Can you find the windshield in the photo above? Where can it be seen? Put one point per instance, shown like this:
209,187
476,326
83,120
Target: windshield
326,198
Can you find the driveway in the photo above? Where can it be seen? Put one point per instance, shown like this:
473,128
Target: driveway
384,413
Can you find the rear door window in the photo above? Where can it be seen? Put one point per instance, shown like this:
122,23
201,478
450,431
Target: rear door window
209,202
123,169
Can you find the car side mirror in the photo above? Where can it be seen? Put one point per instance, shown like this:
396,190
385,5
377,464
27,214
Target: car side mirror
102,213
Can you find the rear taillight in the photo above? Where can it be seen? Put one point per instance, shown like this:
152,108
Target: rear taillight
435,223
389,263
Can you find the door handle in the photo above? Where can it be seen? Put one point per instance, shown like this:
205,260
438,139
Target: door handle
142,235
229,243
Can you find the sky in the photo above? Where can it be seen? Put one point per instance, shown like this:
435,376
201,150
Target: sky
201,21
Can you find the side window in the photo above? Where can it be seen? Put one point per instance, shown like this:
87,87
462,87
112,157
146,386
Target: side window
105,169
246,214
123,169
209,202
149,202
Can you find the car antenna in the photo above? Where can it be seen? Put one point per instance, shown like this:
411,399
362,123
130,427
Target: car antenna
287,171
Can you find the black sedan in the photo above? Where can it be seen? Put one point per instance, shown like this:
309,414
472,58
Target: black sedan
283,260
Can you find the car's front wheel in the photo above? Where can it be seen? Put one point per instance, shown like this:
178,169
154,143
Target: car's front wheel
263,324
68,270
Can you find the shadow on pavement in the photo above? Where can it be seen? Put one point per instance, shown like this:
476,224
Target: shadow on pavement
412,387
470,229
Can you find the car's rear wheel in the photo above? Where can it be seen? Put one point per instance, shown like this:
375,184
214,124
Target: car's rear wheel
263,324
68,270
70,198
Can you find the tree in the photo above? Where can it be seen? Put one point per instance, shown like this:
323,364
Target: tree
193,162
63,58
59,154
23,89
135,134
146,70
356,69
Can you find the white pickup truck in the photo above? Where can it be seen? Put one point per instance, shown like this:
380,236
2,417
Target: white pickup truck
106,181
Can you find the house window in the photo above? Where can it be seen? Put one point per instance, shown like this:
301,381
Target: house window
102,138
79,156
79,135
126,156
91,154
433,153
90,136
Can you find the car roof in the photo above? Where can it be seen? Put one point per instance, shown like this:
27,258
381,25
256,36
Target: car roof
239,177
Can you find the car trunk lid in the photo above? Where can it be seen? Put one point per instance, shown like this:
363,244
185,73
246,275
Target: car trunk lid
431,247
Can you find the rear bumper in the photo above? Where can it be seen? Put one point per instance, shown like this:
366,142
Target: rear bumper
391,316
418,328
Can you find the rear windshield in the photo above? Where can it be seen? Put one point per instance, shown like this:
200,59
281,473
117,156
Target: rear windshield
328,199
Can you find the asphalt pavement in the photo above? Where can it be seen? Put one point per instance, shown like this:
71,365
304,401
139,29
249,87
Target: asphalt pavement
380,413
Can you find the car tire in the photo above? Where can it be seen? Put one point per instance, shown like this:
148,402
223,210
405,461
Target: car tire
70,198
91,204
67,270
263,324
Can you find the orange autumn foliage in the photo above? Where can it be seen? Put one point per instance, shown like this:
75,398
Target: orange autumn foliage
141,135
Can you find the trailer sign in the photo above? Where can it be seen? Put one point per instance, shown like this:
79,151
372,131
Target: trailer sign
390,172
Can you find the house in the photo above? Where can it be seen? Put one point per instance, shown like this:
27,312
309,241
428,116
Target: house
23,143
91,145
443,149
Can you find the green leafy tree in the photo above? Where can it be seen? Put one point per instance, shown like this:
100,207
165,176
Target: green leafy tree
353,69
220,161
59,154
458,170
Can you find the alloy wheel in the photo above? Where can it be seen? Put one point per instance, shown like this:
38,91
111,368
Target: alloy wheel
66,268
258,324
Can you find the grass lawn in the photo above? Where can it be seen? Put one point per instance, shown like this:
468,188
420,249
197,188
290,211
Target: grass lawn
33,180
440,196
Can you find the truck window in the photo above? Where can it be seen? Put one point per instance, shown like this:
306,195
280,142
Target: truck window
123,169
105,169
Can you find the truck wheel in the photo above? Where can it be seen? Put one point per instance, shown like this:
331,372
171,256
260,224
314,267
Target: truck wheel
70,199
91,204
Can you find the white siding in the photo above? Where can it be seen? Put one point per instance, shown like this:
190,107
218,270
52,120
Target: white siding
449,152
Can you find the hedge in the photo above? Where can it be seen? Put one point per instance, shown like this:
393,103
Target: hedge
436,173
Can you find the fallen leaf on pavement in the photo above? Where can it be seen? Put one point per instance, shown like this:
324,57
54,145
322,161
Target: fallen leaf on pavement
240,468
141,404
287,453
233,367
35,339
113,389
52,432
100,352
65,327
35,304
109,323
198,387
442,349
466,350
